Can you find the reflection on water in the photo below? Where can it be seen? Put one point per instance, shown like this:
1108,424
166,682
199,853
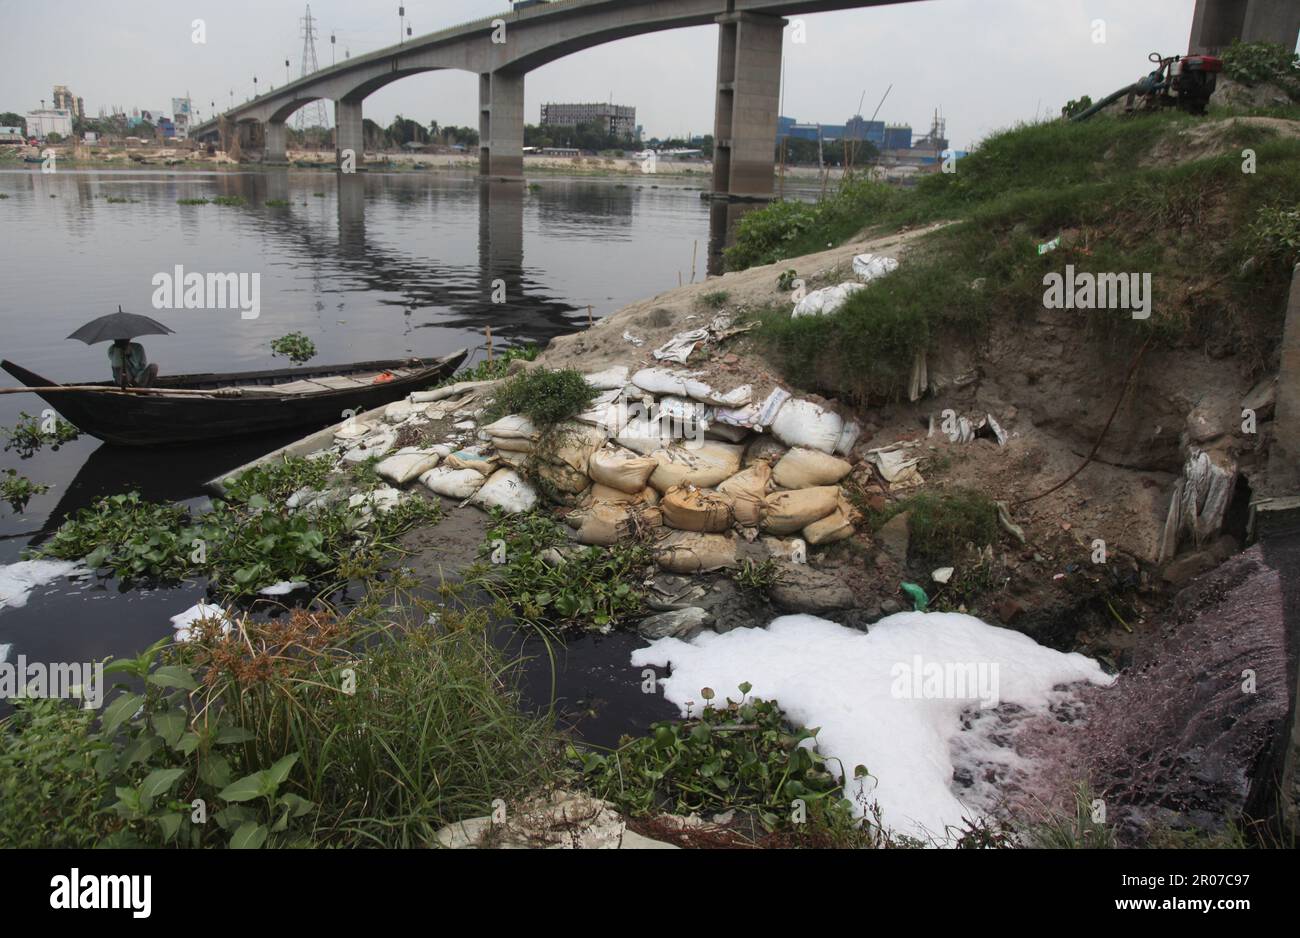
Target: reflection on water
369,266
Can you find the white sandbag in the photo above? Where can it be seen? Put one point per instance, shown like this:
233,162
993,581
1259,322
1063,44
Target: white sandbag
848,436
867,267
897,465
621,469
703,466
352,430
607,412
405,466
513,427
756,416
787,512
643,435
611,378
377,444
827,300
688,508
802,468
452,483
803,423
399,411
687,552
383,499
507,490
748,493
684,384
454,390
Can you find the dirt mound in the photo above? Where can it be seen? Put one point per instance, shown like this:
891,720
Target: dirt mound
1213,138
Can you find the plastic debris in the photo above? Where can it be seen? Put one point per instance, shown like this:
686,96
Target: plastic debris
919,599
942,575
827,300
868,267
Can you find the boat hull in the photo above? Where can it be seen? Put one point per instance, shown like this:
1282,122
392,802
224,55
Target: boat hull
159,420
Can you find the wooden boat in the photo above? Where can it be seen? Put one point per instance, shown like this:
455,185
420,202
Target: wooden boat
191,408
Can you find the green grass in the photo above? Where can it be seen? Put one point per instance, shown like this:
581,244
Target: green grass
309,731
544,396
1194,227
940,524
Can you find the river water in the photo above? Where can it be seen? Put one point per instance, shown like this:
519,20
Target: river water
371,266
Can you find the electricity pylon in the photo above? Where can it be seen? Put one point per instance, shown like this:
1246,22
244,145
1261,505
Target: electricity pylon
317,108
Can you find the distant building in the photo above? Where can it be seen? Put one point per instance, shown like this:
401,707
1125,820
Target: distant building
46,121
898,137
181,117
620,121
12,135
855,128
67,101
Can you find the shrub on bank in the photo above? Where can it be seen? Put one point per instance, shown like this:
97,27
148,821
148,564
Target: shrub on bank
313,731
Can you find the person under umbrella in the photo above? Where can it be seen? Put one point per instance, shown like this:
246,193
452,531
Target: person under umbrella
130,367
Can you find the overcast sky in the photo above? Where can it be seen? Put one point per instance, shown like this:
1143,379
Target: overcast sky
985,64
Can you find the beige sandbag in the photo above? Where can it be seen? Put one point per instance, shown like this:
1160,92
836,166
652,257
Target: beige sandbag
606,523
763,447
603,493
515,427
407,465
570,443
687,552
788,512
688,508
836,526
513,444
802,468
512,459
483,465
452,483
704,466
621,469
747,490
562,478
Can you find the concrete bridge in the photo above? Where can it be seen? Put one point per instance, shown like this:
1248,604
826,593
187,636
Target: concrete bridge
502,49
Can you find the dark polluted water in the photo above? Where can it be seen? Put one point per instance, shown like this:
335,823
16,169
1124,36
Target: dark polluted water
371,266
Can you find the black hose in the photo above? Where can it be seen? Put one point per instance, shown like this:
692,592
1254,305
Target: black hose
1084,115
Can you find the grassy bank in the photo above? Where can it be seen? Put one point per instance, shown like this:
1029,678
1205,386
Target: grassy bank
1218,242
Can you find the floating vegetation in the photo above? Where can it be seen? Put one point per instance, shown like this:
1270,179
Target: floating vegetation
295,346
230,200
191,201
19,490
31,434
276,203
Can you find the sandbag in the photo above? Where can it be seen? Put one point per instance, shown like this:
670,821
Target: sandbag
512,444
613,377
836,526
803,423
688,508
376,444
399,411
452,483
507,490
868,267
465,459
788,512
803,468
704,466
764,447
570,443
621,469
515,426
603,523
641,434
603,493
827,300
685,384
747,490
512,459
563,478
687,552
407,464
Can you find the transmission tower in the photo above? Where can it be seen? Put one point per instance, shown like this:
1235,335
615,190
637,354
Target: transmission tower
315,110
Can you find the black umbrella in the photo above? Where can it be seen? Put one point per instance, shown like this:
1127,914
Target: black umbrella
119,325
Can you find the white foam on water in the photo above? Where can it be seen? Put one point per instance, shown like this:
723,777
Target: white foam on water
847,682
184,622
17,580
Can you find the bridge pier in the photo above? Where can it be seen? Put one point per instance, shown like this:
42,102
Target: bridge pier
277,143
349,134
1215,23
749,97
501,126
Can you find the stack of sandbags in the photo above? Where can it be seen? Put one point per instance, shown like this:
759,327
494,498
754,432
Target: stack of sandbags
513,437
703,465
560,456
